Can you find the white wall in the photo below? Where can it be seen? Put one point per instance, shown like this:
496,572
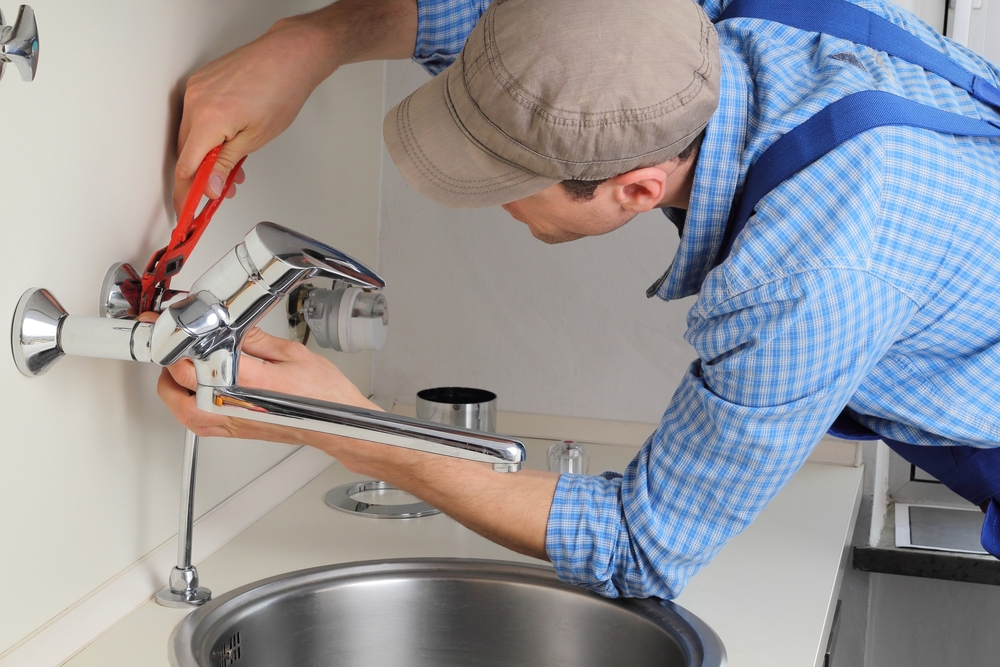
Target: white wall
476,300
90,462
931,11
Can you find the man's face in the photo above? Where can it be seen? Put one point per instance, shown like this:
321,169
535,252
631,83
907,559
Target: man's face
554,216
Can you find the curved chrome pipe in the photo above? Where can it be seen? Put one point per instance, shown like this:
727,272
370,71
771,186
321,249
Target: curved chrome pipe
505,454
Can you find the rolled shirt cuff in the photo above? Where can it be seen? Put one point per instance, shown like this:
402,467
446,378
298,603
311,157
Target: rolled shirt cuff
583,531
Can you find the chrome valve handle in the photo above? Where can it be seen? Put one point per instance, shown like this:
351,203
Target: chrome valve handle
19,43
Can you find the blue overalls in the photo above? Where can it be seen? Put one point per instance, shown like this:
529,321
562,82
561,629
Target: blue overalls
971,472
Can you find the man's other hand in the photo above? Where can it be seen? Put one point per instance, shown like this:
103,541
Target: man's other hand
267,362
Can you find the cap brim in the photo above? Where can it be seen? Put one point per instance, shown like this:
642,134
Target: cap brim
441,162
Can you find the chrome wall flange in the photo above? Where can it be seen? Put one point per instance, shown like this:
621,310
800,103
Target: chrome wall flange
34,335
19,43
38,318
114,302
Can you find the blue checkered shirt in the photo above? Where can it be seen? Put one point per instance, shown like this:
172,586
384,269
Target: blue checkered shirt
869,281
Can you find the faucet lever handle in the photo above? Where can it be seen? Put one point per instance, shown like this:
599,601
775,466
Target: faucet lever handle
285,258
19,43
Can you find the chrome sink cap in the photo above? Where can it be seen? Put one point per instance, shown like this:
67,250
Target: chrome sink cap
268,243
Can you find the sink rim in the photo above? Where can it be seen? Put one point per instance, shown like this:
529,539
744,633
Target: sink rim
696,637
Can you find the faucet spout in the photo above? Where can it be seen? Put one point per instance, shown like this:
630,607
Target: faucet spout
505,454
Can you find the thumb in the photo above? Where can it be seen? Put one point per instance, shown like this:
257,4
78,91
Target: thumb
183,374
193,152
231,153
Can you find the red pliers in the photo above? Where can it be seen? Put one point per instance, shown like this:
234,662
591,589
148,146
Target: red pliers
167,262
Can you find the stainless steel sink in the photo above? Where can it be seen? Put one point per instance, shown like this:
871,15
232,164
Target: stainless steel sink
437,613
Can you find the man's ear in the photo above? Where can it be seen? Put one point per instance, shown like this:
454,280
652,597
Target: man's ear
640,190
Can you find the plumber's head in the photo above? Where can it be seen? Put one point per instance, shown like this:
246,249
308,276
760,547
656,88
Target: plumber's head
574,115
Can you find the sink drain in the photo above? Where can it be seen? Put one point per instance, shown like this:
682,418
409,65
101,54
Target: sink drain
229,653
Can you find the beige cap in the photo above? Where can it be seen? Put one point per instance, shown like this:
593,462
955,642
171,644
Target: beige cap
550,90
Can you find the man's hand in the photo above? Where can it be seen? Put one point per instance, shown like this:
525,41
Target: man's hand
249,96
511,509
268,363
283,366
244,99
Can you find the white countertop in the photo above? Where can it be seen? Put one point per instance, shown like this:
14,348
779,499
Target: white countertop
769,594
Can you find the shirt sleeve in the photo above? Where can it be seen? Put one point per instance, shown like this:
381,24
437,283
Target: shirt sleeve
442,28
777,364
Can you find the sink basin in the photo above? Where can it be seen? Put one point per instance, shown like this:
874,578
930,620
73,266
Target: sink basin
437,613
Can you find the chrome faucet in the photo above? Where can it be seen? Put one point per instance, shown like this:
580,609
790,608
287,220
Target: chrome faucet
208,325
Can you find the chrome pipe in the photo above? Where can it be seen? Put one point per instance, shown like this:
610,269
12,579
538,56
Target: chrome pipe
188,477
505,454
183,589
104,338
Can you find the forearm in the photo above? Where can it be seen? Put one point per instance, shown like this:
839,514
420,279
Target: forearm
511,509
351,31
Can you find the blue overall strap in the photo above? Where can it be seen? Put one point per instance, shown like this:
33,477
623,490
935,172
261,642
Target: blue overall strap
843,19
970,472
990,537
846,428
963,469
824,131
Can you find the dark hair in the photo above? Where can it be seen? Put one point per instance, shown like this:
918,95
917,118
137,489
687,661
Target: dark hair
584,190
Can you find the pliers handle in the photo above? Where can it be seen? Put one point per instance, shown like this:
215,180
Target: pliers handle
167,262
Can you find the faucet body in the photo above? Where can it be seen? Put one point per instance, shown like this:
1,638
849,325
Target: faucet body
208,325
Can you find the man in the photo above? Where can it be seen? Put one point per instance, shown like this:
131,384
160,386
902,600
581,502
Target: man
865,283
